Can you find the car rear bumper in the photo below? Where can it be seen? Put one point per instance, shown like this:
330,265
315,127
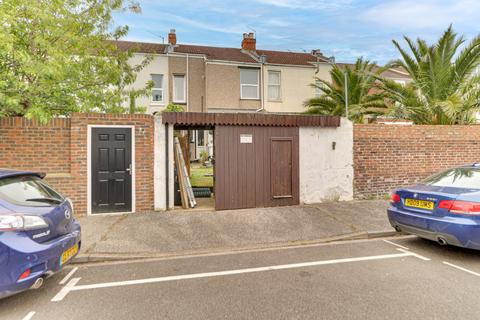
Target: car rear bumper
19,253
458,231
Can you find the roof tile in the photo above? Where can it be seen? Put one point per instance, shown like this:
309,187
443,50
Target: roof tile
224,54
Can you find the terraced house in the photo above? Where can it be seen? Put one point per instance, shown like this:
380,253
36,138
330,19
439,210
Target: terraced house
218,79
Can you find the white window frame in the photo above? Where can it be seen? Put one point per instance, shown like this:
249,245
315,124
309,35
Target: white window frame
158,89
279,85
175,100
250,85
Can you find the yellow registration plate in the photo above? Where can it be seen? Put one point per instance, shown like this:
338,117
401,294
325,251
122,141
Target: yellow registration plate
68,254
422,204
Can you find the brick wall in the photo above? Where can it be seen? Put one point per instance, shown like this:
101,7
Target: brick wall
25,144
388,156
144,128
59,149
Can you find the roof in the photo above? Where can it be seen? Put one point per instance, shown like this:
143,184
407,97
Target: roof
4,173
392,73
294,58
143,47
248,119
216,53
225,54
396,74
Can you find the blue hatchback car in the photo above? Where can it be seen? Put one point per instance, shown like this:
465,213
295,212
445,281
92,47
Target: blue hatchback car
38,233
444,208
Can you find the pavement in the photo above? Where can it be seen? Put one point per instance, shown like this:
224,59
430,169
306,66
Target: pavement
183,232
400,277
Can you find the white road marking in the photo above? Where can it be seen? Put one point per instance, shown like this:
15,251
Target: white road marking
396,244
71,286
64,280
65,290
461,268
414,254
29,315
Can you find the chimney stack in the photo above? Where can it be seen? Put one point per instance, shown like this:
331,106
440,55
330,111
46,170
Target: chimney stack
249,42
172,37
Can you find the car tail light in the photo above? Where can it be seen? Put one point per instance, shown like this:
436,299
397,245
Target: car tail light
395,198
21,222
24,274
460,207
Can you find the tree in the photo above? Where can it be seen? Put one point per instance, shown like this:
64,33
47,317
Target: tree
444,87
362,99
56,58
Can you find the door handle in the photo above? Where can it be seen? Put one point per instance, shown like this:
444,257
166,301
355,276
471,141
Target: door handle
129,169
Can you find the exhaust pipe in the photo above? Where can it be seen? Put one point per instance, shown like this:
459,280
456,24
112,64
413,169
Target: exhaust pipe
37,284
441,241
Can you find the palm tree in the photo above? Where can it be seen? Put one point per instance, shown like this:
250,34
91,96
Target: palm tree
444,87
360,78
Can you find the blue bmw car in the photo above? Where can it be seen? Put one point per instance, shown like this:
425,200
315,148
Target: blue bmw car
443,208
38,233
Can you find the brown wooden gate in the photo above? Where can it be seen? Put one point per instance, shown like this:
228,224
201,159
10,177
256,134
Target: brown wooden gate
256,166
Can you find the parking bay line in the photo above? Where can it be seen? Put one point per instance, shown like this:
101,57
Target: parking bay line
396,244
29,315
68,276
461,268
71,285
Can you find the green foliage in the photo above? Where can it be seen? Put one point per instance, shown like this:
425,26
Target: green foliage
361,101
444,87
204,156
55,58
171,107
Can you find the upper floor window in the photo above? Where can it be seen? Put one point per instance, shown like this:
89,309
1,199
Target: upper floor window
157,90
179,91
249,83
274,85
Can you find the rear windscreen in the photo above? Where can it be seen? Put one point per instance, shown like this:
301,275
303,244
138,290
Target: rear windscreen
468,178
26,190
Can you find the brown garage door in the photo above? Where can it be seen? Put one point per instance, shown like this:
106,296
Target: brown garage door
256,167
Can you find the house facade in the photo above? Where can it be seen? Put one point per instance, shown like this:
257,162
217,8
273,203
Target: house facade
218,79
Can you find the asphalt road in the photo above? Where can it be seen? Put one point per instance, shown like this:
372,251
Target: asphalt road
405,278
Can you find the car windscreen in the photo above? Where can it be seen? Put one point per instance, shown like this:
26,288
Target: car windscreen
28,191
467,178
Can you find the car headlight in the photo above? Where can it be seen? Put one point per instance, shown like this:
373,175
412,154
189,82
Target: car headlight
21,222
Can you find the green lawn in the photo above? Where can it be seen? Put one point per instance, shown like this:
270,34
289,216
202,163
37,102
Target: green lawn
198,178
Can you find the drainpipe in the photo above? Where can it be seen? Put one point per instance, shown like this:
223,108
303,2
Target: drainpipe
167,169
346,93
263,59
186,84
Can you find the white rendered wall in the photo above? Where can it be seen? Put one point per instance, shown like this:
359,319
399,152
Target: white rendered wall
295,86
326,174
159,65
159,170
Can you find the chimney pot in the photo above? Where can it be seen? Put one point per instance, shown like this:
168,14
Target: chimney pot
172,37
249,42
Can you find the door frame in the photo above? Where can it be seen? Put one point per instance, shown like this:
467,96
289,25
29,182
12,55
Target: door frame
89,168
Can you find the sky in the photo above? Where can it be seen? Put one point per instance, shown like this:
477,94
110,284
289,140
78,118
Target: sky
345,29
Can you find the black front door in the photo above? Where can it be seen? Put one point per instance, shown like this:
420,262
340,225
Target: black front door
111,170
